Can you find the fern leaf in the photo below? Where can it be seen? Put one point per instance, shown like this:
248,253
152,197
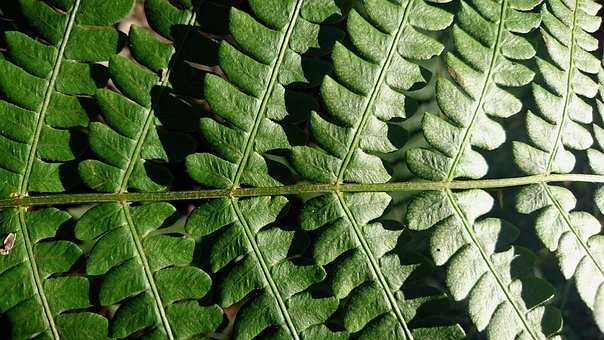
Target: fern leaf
362,108
593,259
561,111
44,301
366,273
272,54
557,126
483,267
141,132
271,140
260,73
596,163
595,156
143,268
487,47
368,91
572,236
42,80
136,137
260,267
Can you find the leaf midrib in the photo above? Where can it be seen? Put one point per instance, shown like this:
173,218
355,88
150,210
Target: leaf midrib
150,113
571,52
242,163
251,239
260,113
39,286
570,226
23,184
140,252
133,160
487,83
375,267
33,150
61,199
491,267
374,92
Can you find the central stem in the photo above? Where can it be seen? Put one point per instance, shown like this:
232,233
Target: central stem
296,189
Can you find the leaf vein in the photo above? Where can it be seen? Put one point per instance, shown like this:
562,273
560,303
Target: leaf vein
260,114
265,270
36,275
374,92
569,80
468,131
375,268
140,138
570,226
140,251
490,265
47,96
59,199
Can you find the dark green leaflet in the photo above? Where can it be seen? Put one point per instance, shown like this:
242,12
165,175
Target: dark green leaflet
335,169
41,105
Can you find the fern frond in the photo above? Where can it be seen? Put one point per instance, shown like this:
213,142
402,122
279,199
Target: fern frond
140,134
272,55
366,272
483,267
595,155
261,268
274,52
368,90
487,47
557,125
574,238
45,300
278,141
42,80
142,268
561,111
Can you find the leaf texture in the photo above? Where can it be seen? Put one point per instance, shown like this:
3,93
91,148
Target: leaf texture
141,133
564,108
595,156
42,80
142,269
230,169
250,110
44,300
504,297
365,271
486,63
560,98
273,53
262,268
574,238
371,77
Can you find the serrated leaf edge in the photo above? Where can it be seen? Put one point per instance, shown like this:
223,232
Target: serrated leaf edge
249,235
476,243
567,96
141,137
374,93
375,268
260,114
468,131
33,150
159,308
35,273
